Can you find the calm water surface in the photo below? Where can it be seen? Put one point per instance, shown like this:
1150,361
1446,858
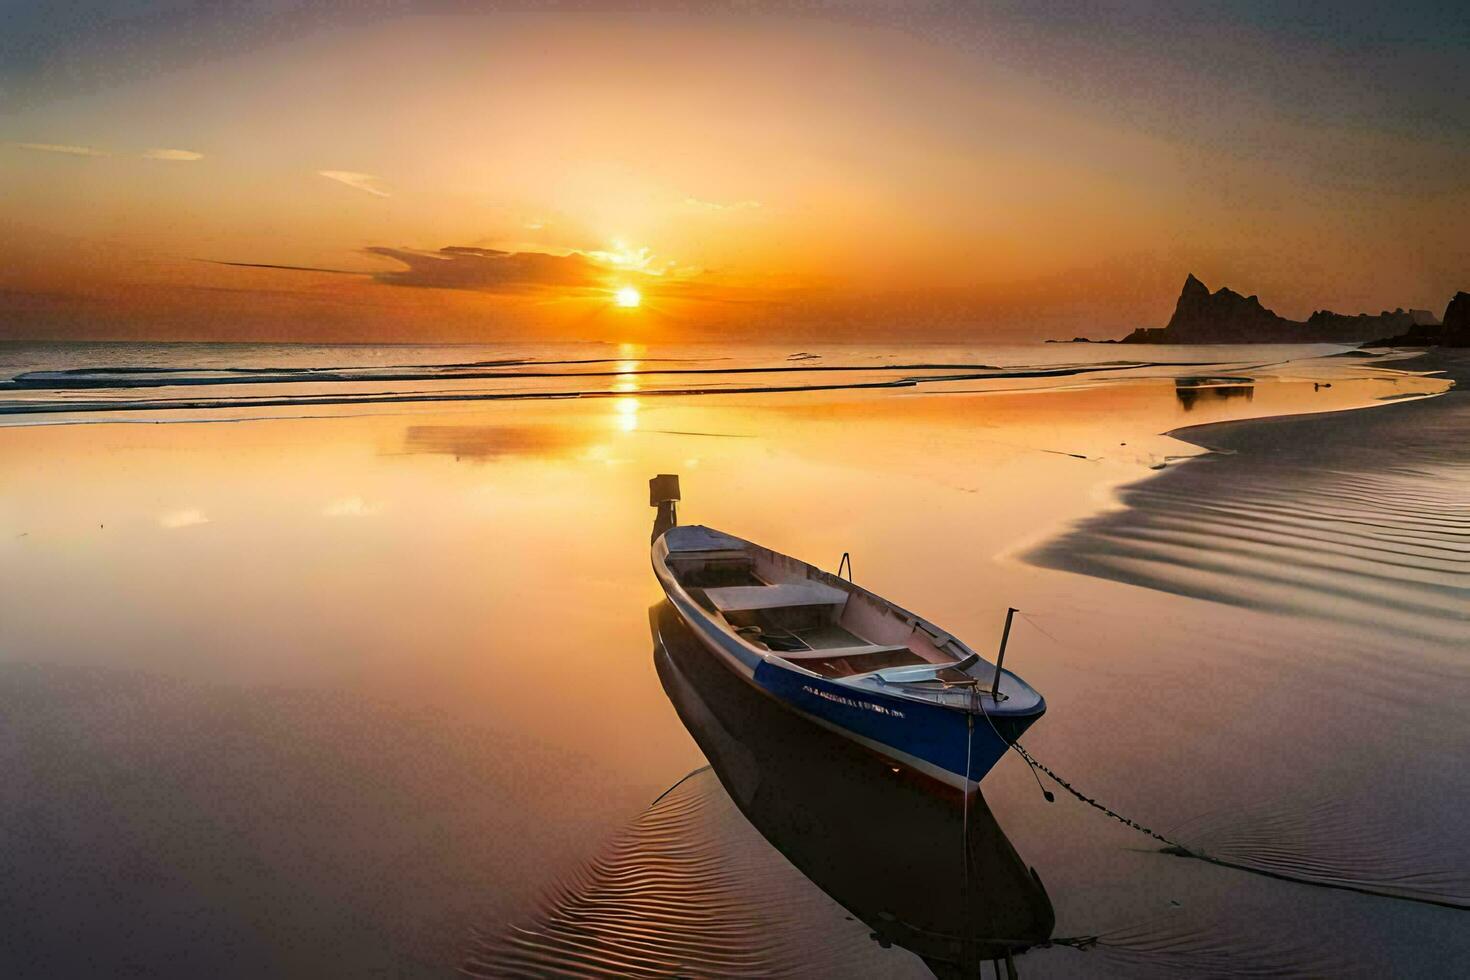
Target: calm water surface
296,679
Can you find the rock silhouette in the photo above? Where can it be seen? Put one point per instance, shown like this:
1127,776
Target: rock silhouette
1227,317
1452,331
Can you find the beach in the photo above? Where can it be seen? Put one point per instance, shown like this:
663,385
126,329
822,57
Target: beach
345,666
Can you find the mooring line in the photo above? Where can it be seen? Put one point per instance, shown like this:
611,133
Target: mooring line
1039,627
680,782
1183,850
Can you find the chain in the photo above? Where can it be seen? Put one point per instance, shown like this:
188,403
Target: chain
1031,761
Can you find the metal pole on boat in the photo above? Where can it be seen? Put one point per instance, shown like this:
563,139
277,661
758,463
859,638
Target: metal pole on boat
1001,657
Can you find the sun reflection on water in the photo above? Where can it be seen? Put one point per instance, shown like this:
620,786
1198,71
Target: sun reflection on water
626,412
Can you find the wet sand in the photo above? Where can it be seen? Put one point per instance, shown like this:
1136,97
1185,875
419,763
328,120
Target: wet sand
365,691
1360,518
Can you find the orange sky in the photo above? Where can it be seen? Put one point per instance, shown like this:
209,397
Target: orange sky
854,177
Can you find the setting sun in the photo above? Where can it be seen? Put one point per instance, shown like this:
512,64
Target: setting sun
628,297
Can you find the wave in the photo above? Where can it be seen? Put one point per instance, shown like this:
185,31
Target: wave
318,382
146,377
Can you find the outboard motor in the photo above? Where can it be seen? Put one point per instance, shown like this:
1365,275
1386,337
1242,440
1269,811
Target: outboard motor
663,493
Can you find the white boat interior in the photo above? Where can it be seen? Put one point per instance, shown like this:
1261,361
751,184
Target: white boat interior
779,606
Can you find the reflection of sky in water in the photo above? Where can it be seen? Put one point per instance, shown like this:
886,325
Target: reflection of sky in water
555,479
350,507
182,518
487,443
505,600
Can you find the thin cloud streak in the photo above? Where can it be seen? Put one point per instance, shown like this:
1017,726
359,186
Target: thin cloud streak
167,154
696,203
355,180
67,148
191,517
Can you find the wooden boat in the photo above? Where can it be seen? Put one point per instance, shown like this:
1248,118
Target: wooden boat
839,655
955,893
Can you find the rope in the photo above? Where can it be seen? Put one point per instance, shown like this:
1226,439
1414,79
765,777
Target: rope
965,811
680,782
965,792
1014,745
1034,623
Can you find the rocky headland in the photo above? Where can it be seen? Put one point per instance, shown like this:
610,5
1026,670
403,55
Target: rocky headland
1453,329
1227,317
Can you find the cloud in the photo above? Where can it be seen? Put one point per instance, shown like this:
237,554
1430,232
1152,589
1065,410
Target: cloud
350,507
697,204
622,256
157,153
76,151
491,270
165,154
357,181
506,272
183,518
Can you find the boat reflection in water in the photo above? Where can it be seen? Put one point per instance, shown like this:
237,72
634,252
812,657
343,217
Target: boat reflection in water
921,869
1190,391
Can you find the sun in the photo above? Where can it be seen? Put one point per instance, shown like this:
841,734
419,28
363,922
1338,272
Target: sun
628,297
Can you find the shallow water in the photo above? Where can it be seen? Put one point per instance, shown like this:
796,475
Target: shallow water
373,688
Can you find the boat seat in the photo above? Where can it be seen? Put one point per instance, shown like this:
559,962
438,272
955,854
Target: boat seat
843,653
784,595
709,554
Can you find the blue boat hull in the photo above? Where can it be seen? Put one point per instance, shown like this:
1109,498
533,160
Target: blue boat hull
948,744
945,742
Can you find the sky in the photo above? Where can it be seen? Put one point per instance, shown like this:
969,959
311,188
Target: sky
387,171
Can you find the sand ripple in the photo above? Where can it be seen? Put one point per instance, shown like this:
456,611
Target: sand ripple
1182,943
1361,518
689,888
1333,842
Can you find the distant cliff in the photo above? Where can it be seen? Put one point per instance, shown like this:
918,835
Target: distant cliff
1226,317
1453,331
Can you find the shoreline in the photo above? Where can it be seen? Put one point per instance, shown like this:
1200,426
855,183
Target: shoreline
1454,368
1107,491
1313,513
